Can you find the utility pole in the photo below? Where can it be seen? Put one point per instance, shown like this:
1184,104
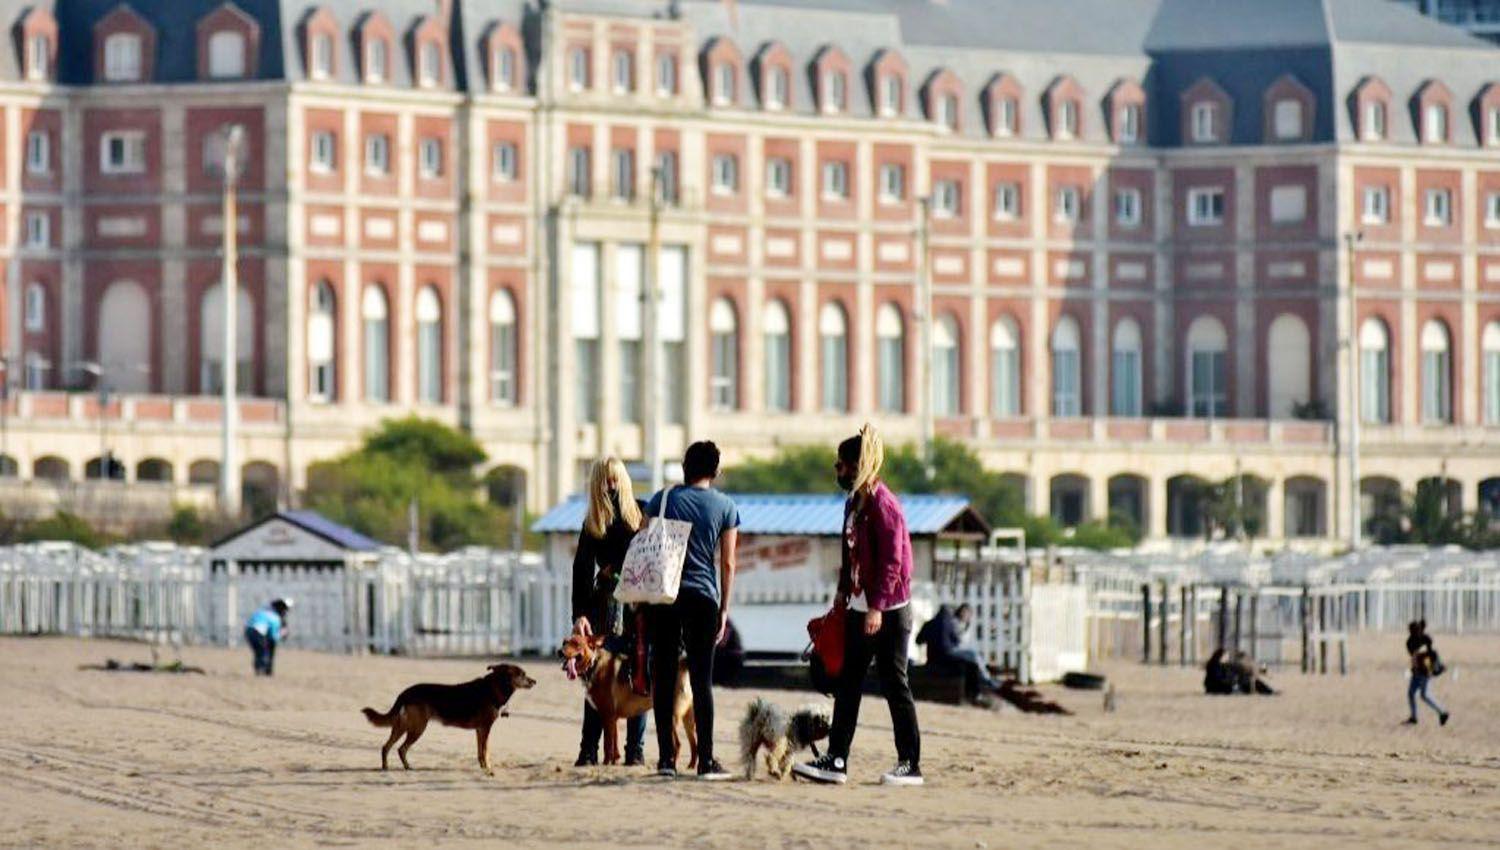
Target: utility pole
924,331
1352,342
229,468
651,367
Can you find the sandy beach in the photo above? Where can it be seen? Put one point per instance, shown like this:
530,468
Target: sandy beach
96,759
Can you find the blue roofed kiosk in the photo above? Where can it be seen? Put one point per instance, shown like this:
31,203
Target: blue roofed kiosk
297,555
789,557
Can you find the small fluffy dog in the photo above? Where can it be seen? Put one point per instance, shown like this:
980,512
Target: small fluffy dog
471,705
767,726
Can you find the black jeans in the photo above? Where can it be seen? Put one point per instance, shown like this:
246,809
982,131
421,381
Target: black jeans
692,623
263,650
593,728
888,649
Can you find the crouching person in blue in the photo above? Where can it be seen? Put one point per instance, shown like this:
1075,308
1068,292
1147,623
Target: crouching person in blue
264,630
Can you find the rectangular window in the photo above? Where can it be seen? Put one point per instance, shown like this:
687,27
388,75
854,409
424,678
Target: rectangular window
666,176
778,177
1288,204
624,72
38,153
377,155
666,74
722,392
1128,207
948,112
1377,205
1007,201
379,59
630,380
1205,122
1130,124
1208,385
503,363
324,152
578,69
503,162
1435,124
580,177
1492,120
724,84
1205,207
122,152
588,382
432,158
623,179
1125,374
1374,121
1492,210
726,176
1491,387
1007,116
38,230
890,99
1005,372
835,181
778,89
1286,119
504,64
122,58
36,308
1438,211
947,199
38,57
1067,211
838,92
892,183
1067,126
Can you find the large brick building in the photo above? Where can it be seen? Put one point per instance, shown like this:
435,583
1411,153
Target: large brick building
1135,230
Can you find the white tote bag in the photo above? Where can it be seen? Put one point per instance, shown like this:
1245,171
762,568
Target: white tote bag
652,571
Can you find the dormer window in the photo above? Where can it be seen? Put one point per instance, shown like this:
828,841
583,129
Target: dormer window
948,111
1130,124
122,58
1205,122
431,64
890,95
622,72
1374,121
1286,120
1435,124
778,88
578,69
38,57
837,99
666,74
1007,116
1492,121
1067,119
226,55
723,84
504,69
322,56
377,61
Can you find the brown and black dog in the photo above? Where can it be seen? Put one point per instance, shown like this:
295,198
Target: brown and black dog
472,705
607,690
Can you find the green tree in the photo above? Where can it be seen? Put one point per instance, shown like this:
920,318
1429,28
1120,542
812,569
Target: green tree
63,526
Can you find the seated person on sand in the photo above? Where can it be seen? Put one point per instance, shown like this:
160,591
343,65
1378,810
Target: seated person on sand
943,637
1236,674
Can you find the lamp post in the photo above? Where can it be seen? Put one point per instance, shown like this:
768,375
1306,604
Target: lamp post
651,332
229,472
1352,342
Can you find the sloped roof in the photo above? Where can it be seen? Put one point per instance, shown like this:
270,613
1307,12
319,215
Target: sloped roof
815,515
313,523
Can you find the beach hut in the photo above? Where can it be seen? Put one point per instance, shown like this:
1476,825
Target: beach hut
323,567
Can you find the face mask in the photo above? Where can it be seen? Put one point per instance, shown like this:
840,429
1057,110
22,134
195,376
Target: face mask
846,483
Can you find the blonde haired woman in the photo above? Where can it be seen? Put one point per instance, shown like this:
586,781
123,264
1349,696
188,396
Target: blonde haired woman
613,518
875,585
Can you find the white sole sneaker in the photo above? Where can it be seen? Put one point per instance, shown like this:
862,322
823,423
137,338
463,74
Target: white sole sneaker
715,777
888,779
831,777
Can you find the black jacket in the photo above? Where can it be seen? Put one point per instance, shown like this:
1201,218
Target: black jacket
591,592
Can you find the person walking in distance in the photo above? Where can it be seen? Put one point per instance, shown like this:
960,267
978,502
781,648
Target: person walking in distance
875,584
264,630
698,619
1424,665
610,524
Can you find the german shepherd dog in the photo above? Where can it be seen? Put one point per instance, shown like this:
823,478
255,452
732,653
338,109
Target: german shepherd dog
586,659
471,705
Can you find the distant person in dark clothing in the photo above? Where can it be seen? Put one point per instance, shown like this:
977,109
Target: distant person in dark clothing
943,637
1231,673
610,524
1218,677
1424,665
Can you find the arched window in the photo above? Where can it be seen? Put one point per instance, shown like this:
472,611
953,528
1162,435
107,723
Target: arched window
777,329
375,313
226,55
211,359
945,370
502,349
1490,348
1288,365
1067,368
429,347
122,57
1374,372
321,321
890,352
1207,368
1125,370
1437,373
833,337
125,337
724,382
1005,368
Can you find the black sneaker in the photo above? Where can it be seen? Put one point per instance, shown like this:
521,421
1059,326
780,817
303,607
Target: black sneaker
712,771
667,769
1443,719
1410,721
904,773
634,760
586,760
827,768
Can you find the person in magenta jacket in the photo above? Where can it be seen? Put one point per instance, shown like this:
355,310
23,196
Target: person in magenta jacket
875,585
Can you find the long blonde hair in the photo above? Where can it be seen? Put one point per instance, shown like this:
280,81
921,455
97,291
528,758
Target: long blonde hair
601,512
871,460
